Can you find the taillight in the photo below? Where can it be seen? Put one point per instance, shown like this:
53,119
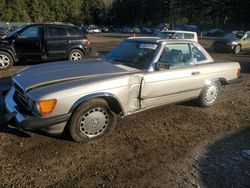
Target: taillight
238,72
88,41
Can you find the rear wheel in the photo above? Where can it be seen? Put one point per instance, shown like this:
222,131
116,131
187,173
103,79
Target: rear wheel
237,49
209,95
75,55
6,61
91,120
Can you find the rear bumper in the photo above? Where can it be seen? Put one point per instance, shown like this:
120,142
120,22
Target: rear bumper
235,81
28,121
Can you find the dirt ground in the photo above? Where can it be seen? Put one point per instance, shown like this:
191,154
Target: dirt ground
173,146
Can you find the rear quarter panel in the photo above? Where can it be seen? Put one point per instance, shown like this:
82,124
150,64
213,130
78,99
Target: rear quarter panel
224,70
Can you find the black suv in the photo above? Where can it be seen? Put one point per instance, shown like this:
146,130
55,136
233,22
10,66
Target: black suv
43,42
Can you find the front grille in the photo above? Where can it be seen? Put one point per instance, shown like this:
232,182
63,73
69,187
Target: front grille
20,98
18,88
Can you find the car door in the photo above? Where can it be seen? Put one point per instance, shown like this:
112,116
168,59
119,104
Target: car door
178,83
57,42
28,44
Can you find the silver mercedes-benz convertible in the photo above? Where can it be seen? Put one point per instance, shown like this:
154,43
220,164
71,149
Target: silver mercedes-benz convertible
86,97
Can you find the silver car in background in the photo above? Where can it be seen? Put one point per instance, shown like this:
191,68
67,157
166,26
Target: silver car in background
86,97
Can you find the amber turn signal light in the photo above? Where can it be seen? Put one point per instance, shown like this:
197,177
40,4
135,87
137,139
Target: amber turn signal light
46,106
238,72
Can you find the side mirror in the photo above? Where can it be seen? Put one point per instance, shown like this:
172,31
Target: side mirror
161,66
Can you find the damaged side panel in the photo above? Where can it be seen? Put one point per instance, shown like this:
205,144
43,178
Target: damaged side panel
134,88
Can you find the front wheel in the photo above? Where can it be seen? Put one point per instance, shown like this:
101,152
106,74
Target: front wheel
90,120
75,55
237,49
6,61
209,95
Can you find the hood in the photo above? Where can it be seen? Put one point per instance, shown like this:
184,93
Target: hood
52,73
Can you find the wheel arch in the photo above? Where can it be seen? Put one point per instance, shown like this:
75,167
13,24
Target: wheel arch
14,57
112,100
77,48
221,80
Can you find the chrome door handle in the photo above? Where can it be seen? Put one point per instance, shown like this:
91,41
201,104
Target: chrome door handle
195,73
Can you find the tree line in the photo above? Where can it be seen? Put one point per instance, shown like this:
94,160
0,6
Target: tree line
70,11
128,12
216,13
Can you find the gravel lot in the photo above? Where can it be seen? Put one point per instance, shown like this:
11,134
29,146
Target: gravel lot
172,146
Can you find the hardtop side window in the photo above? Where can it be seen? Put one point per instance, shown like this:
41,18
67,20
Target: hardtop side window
178,36
188,36
198,55
57,32
177,55
32,32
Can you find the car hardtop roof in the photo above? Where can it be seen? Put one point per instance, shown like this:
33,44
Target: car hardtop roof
158,40
178,31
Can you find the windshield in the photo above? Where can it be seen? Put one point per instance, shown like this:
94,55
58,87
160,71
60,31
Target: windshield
14,31
166,35
133,54
233,36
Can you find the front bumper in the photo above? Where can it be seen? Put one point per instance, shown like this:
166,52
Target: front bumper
223,47
236,81
26,120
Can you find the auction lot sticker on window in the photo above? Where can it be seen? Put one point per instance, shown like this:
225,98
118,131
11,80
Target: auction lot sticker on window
148,46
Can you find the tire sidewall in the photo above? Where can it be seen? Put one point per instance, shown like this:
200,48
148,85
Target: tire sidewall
237,49
10,59
74,124
202,99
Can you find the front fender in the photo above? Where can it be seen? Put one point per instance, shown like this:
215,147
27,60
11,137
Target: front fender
8,49
112,100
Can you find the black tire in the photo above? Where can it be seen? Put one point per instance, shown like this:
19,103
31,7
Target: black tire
75,55
6,61
91,120
237,49
209,95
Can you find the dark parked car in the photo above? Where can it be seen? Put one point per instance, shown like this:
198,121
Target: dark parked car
147,30
191,27
213,33
43,42
236,42
105,29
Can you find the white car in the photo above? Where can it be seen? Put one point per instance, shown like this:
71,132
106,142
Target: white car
183,35
93,29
